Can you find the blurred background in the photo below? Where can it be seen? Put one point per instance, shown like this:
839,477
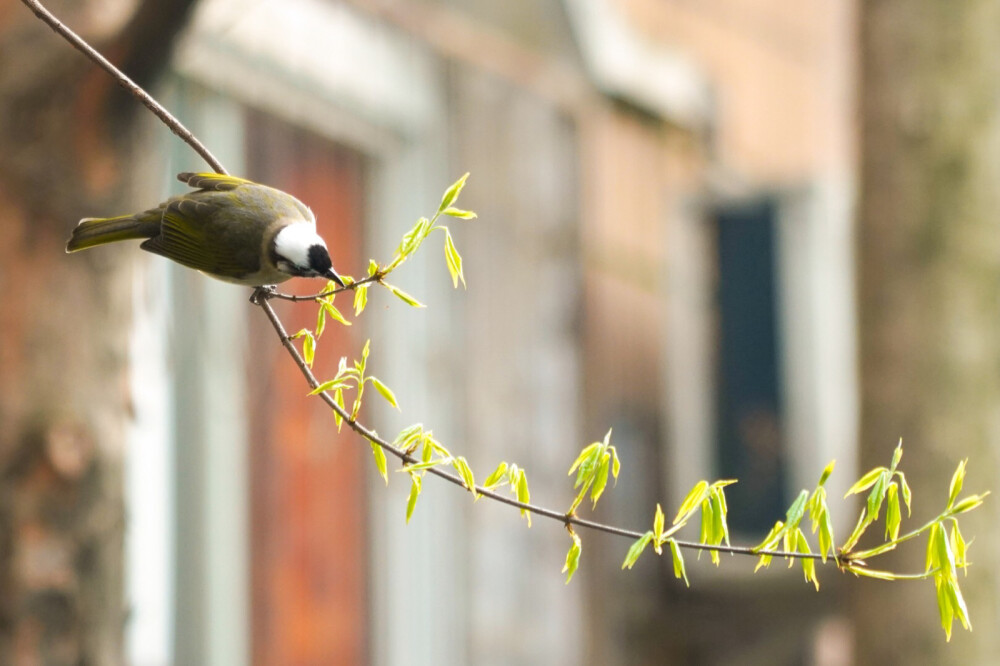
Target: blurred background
752,237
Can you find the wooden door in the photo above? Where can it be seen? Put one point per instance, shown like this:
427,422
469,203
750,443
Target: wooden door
308,516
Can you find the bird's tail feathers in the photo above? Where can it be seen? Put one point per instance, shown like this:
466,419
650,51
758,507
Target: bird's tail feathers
93,231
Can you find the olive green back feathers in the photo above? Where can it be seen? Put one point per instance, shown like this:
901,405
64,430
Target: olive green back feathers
222,228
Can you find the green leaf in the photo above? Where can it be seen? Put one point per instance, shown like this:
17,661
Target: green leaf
658,520
459,213
827,471
616,464
497,477
893,516
933,551
356,408
406,242
451,194
427,452
588,452
968,504
436,446
772,537
905,490
815,506
513,474
578,500
635,550
373,267
763,561
601,478
360,299
719,507
877,495
331,309
384,391
956,483
897,455
461,466
808,565
877,550
320,321
959,547
329,385
522,494
678,557
407,435
945,556
795,512
826,540
338,397
425,464
585,476
707,528
572,558
719,488
380,463
403,296
308,348
870,573
453,259
412,238
958,603
586,467
693,499
866,482
411,501
945,609
864,520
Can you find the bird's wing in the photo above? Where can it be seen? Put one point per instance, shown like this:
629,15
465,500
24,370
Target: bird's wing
212,181
185,238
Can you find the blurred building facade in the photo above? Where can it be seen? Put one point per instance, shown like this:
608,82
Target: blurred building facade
664,191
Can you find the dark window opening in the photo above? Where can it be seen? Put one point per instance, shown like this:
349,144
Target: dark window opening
749,410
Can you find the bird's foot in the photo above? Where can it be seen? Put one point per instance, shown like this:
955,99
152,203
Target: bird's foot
263,293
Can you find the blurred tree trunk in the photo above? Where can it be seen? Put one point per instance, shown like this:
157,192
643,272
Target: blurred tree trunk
65,152
929,262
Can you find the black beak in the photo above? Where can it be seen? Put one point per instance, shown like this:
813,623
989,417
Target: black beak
332,275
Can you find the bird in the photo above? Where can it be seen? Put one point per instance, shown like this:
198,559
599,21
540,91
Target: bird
229,228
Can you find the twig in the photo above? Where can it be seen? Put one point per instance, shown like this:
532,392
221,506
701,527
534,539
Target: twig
125,82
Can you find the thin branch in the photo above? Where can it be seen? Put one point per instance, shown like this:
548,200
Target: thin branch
124,81
261,298
323,294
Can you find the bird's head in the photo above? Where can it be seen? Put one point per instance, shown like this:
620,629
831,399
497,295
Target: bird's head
301,252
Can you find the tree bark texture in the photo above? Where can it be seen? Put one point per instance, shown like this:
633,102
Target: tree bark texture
929,280
65,151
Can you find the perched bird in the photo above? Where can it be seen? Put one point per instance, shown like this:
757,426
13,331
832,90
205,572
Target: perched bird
229,228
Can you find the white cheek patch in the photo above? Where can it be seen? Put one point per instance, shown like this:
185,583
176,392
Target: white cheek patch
293,242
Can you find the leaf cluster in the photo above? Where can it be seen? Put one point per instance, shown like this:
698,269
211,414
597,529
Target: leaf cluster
593,466
598,464
706,499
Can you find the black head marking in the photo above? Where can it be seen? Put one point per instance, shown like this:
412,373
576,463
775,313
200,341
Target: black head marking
319,259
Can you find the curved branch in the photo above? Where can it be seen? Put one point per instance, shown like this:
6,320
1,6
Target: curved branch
261,298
